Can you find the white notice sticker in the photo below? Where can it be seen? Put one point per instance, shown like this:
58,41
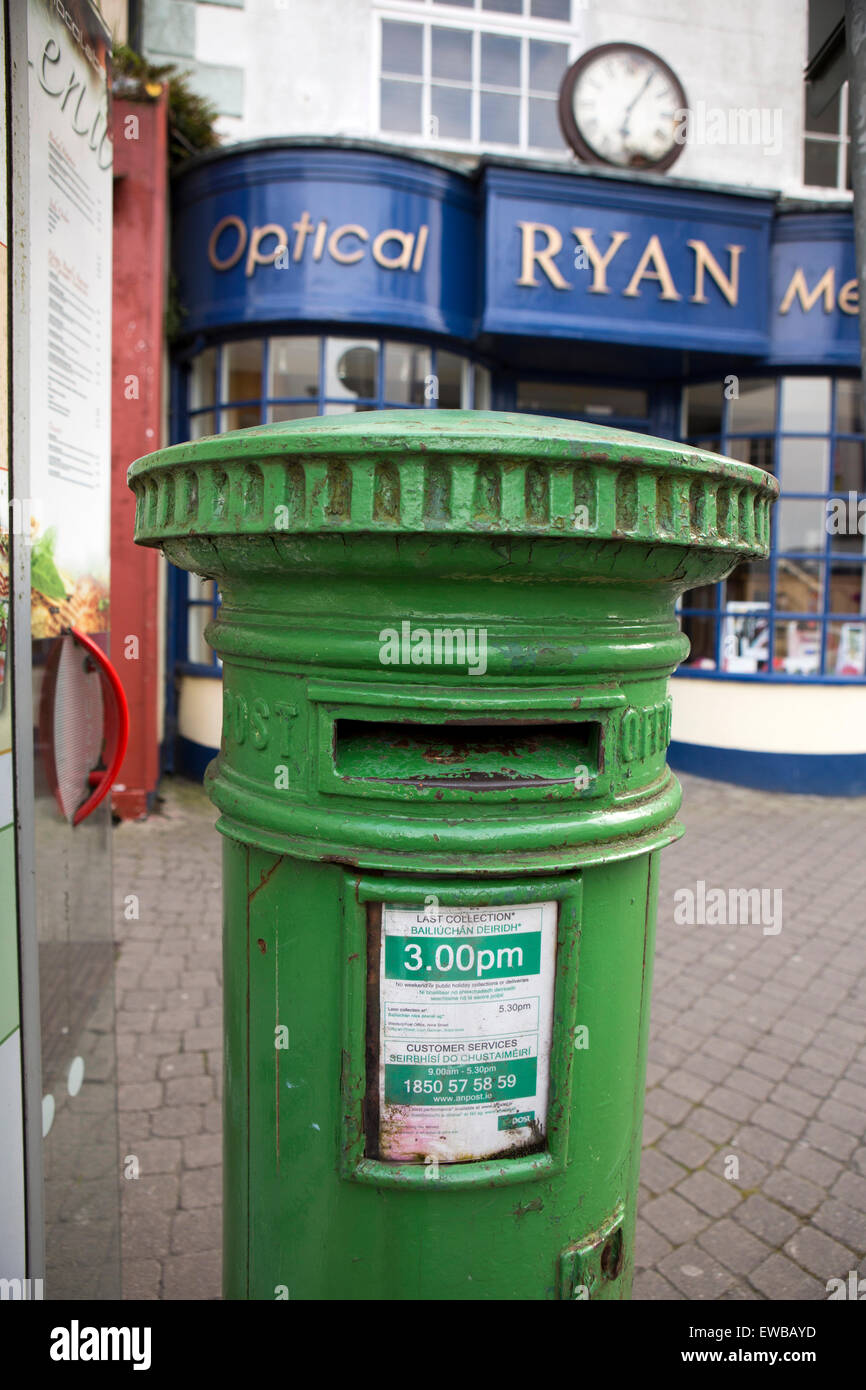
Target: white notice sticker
465,1023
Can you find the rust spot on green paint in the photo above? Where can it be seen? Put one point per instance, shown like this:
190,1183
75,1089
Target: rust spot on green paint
523,1207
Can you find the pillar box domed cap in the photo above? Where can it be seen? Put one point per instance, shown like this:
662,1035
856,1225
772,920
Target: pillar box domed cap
452,471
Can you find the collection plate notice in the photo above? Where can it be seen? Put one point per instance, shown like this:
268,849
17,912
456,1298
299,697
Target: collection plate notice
465,1024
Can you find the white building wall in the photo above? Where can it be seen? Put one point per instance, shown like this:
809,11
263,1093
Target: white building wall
310,67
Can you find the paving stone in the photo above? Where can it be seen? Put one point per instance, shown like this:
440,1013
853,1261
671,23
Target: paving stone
194,1231
145,1095
189,1090
200,1039
710,1194
772,1223
650,1285
158,1156
145,1233
750,1083
733,1246
712,1125
201,1187
845,1223
779,1278
754,1140
193,1276
202,1150
835,1142
683,1083
685,1147
851,1188
664,1105
142,1279
658,1173
811,1163
798,1193
819,1253
181,1064
178,1120
677,1220
695,1273
649,1245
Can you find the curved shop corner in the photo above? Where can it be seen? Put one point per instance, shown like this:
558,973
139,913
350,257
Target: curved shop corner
319,279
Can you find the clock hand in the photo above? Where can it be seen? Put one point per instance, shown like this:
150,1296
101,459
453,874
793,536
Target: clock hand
624,128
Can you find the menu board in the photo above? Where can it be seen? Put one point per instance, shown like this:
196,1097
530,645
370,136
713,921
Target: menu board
66,518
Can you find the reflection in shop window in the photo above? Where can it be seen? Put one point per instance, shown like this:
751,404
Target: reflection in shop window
200,426
753,409
745,644
849,466
846,649
408,369
202,382
277,413
451,387
749,583
701,632
803,465
846,588
702,407
582,400
806,404
293,367
849,406
761,453
797,648
800,524
201,607
799,585
351,369
788,616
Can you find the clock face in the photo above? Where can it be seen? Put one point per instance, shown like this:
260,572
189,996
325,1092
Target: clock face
620,104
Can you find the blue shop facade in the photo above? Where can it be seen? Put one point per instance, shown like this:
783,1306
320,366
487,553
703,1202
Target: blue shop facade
326,277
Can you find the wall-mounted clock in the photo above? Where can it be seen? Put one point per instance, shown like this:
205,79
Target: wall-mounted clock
622,105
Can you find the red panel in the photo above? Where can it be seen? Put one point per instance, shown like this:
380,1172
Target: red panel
140,195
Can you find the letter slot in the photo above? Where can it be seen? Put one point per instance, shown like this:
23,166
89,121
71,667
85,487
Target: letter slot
476,756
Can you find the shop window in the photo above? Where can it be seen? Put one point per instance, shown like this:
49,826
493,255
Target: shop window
481,389
760,452
582,401
351,369
408,373
294,377
849,406
702,406
800,614
751,406
467,83
242,383
749,583
293,368
849,466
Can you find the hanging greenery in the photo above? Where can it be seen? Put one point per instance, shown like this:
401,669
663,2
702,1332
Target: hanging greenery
190,117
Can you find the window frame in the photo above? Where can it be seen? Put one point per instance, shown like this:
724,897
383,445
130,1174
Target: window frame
840,138
524,27
826,557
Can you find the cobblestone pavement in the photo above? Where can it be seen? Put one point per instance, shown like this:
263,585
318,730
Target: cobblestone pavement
753,1183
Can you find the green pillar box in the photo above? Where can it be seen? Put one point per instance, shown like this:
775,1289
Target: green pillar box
446,640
